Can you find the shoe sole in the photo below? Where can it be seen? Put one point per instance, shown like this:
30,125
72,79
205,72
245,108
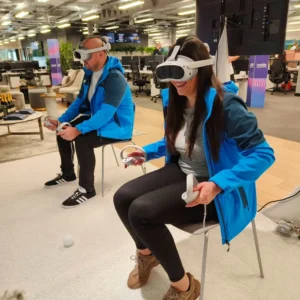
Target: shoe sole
137,286
59,184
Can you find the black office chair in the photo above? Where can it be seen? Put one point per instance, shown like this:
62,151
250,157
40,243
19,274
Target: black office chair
158,84
277,75
138,80
29,76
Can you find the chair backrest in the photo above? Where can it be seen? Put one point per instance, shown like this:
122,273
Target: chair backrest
278,70
78,79
134,66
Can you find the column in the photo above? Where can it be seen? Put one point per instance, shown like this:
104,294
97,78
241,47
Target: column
54,56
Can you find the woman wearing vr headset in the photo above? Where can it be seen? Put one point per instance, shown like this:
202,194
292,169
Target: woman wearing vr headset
209,133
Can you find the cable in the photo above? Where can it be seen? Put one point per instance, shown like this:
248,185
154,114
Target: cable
279,200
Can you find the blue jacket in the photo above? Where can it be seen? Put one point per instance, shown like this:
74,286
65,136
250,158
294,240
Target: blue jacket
244,157
111,108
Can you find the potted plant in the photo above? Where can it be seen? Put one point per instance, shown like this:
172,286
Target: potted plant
66,56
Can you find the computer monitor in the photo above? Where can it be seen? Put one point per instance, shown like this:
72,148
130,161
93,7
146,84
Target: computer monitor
254,27
148,59
240,65
159,58
125,60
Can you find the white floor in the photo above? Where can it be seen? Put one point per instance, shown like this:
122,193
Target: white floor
32,256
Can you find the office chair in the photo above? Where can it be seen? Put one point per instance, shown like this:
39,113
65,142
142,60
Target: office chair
30,77
159,85
138,80
278,75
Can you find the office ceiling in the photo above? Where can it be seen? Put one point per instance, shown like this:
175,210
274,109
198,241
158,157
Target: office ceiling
52,13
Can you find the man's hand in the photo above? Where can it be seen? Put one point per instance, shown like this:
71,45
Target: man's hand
207,192
54,124
69,133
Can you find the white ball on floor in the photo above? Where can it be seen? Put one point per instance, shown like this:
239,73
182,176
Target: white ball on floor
68,240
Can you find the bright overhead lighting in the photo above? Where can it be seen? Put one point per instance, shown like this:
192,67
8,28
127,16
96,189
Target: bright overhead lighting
185,24
44,26
64,25
42,1
144,20
188,12
90,18
45,30
6,23
292,23
85,32
132,4
21,38
112,27
13,40
31,34
155,34
90,12
6,42
186,6
22,14
297,6
290,30
63,21
183,30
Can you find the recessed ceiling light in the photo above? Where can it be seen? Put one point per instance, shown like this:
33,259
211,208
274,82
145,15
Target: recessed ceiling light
63,21
45,30
143,20
22,14
188,12
90,18
42,1
112,27
64,25
44,26
6,23
85,32
31,34
13,40
90,12
21,38
132,4
185,24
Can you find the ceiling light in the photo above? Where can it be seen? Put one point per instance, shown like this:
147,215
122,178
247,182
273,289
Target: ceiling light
44,26
292,23
155,34
185,24
6,23
32,34
64,25
132,4
63,21
90,18
112,27
31,30
13,40
90,12
42,1
6,42
297,6
21,38
144,20
186,6
188,12
1,44
22,14
293,30
183,30
85,32
45,30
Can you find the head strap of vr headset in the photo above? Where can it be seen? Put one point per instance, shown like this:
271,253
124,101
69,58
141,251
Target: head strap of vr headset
105,43
192,64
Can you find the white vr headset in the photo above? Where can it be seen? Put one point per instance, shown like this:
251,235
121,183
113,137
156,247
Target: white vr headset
86,54
179,67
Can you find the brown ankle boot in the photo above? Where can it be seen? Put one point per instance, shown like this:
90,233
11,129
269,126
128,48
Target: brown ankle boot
141,272
192,294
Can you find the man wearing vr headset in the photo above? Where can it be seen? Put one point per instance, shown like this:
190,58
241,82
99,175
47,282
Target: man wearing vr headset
209,133
102,113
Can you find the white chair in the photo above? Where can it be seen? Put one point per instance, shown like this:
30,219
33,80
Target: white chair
197,229
75,85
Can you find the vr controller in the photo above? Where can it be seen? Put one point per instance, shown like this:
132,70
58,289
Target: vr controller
129,161
61,126
190,195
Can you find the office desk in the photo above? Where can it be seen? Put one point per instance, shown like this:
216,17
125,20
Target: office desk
144,72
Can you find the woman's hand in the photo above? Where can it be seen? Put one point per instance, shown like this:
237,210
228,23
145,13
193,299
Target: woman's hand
138,161
207,192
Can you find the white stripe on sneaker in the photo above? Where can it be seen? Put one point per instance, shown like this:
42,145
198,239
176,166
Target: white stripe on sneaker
78,201
85,198
62,180
58,181
82,199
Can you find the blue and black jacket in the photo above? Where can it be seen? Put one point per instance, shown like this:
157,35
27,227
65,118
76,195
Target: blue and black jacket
244,157
111,108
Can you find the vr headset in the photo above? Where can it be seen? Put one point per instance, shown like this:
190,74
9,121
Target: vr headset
180,67
86,54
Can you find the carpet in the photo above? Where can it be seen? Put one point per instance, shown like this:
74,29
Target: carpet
18,147
96,267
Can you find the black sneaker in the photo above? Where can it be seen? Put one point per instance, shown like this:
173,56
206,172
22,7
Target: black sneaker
60,178
80,196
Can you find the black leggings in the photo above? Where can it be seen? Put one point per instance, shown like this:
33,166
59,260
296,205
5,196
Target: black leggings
149,202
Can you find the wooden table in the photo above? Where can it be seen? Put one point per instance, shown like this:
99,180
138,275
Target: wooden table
36,116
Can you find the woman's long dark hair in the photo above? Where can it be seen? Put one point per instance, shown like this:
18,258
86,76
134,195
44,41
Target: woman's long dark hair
192,47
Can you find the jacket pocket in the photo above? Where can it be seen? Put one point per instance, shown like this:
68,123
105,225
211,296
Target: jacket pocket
243,196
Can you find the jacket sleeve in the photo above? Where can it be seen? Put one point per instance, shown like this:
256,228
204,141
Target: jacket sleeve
114,91
73,110
258,156
156,150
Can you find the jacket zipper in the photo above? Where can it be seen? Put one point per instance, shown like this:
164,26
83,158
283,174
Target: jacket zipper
208,158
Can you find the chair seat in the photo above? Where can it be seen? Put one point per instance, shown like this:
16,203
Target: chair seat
197,228
139,82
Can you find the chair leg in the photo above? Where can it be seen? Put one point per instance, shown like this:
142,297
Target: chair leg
203,271
113,149
257,249
102,183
